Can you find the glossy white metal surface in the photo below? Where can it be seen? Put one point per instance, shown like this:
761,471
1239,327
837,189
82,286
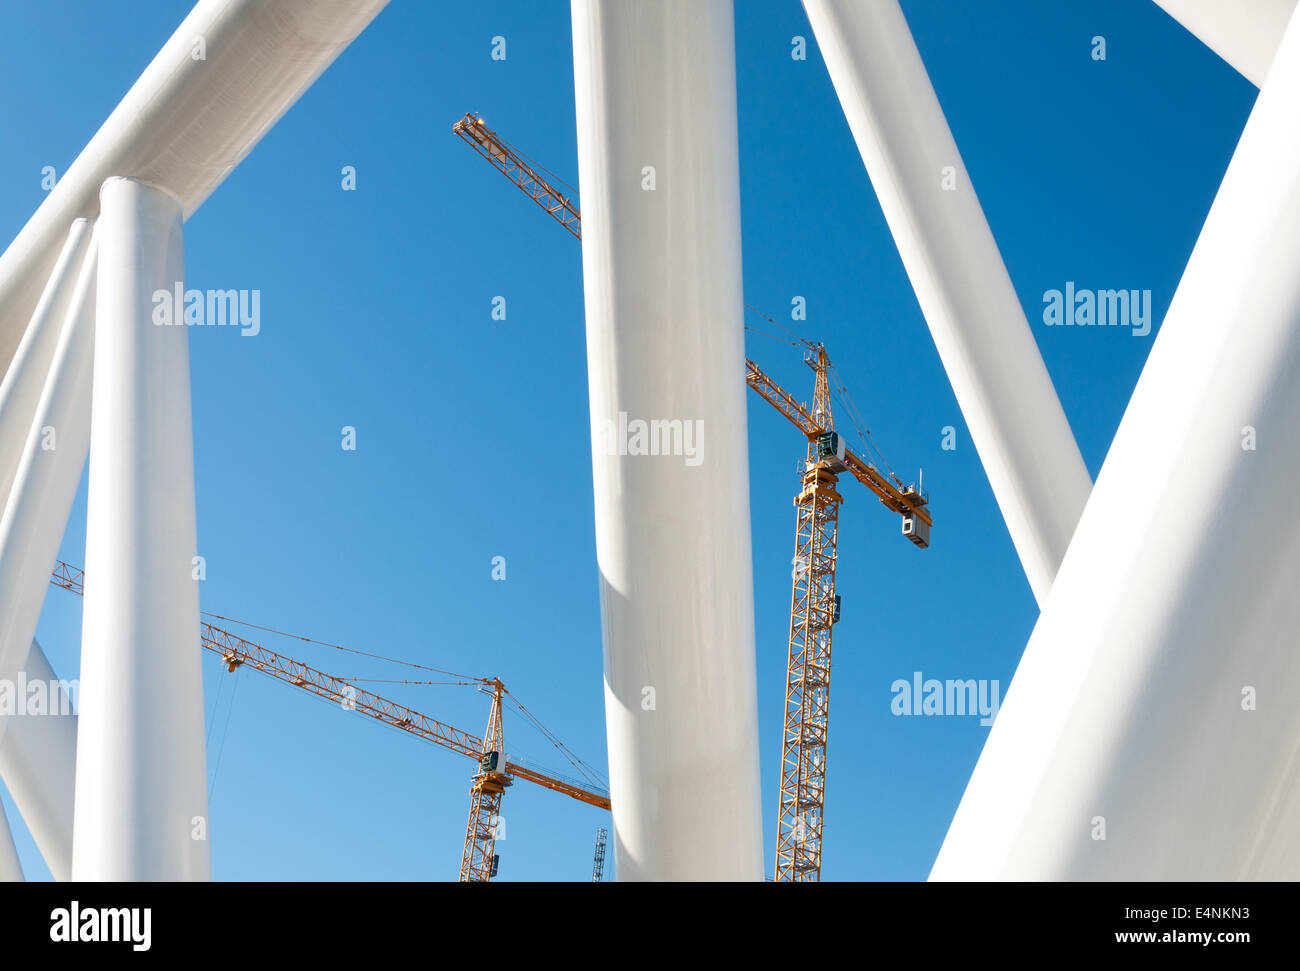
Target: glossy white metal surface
141,799
186,123
21,387
1245,33
655,89
1157,695
51,457
11,870
38,753
979,327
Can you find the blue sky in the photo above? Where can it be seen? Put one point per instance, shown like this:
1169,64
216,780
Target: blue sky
472,436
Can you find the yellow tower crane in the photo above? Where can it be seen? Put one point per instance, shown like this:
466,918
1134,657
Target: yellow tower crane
814,604
815,608
479,859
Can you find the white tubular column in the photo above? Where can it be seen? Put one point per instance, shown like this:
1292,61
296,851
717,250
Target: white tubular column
1245,33
658,160
38,753
11,871
140,781
979,327
20,390
1155,702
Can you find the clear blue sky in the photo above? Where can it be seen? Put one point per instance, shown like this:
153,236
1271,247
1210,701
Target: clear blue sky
472,434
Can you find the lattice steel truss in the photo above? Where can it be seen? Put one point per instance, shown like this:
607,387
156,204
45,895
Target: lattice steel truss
807,692
598,863
478,861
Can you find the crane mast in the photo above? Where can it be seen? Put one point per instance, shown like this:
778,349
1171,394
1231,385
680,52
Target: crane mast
814,609
598,861
478,862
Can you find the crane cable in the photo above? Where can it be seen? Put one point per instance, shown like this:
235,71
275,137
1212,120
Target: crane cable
463,678
230,710
855,417
570,756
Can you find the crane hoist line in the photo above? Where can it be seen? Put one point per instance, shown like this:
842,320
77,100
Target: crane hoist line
814,603
494,774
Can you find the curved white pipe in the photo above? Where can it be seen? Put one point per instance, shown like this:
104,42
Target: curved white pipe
1155,704
186,123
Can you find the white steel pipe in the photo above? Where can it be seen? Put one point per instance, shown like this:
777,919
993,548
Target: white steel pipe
1245,33
11,870
1155,702
20,389
979,327
227,74
50,461
141,800
38,752
658,160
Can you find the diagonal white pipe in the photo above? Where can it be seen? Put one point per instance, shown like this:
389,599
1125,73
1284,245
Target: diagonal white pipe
48,466
1245,33
11,870
979,327
38,754
20,389
1154,705
187,122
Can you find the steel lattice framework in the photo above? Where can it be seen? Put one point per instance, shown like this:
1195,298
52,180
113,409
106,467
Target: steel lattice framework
808,675
478,862
598,862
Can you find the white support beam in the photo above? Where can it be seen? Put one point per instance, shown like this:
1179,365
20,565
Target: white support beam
38,754
21,387
658,160
11,870
54,439
979,327
141,799
1155,702
222,80
1245,33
